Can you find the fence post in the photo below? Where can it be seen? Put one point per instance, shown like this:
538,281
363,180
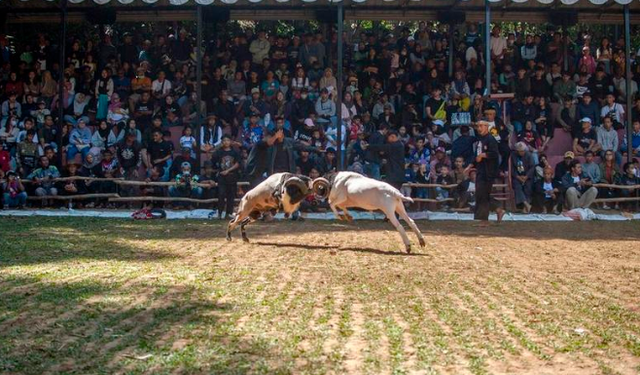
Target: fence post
487,46
62,49
339,88
627,54
199,85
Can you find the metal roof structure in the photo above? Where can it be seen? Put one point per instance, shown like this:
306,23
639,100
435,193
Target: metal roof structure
534,11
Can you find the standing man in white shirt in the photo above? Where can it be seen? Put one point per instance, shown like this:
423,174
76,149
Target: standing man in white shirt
260,47
498,44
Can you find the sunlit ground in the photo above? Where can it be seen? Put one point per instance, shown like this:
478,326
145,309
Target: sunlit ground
105,296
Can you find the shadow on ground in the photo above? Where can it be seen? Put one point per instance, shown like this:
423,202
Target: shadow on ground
89,326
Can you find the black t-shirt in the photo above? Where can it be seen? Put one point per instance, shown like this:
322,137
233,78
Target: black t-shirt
174,108
487,168
434,105
540,87
305,166
48,135
599,87
144,120
305,134
584,139
225,159
160,150
281,162
128,155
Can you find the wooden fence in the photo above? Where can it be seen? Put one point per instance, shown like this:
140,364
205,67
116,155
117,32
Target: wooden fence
117,198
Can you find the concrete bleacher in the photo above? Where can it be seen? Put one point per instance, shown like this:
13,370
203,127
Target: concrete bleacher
562,142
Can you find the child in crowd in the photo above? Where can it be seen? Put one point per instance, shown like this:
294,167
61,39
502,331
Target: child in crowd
188,140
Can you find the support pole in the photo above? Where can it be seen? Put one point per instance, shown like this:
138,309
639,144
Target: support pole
62,49
451,48
339,88
199,83
565,48
487,47
627,55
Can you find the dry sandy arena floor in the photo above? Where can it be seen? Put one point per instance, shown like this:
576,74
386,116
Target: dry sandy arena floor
95,296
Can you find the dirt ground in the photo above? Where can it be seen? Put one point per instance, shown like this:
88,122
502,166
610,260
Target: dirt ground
116,296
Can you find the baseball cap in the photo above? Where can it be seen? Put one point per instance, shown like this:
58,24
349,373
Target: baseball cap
438,122
585,119
185,164
569,155
255,90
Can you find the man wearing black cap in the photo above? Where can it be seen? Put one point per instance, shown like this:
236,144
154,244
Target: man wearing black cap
394,153
486,165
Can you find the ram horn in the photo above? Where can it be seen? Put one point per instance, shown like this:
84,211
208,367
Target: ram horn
295,181
321,188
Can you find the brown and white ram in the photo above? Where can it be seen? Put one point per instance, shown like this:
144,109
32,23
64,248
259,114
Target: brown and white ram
279,192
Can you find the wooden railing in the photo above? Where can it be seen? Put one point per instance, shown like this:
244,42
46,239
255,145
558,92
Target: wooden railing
117,198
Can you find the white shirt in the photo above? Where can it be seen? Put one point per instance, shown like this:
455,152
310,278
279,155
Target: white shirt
498,45
472,187
471,54
164,87
618,110
547,186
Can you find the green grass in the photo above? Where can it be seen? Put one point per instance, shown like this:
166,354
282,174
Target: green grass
96,296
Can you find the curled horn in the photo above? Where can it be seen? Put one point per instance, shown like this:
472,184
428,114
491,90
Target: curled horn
321,187
304,188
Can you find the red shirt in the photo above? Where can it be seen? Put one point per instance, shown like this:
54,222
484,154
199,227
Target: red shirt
5,158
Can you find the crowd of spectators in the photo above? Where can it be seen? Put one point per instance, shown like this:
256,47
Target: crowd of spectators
268,105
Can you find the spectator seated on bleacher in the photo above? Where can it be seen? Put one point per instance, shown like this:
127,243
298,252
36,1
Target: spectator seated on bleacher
14,192
578,188
629,178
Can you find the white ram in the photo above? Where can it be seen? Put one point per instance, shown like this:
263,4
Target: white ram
349,189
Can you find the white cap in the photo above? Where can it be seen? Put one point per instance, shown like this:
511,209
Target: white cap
586,119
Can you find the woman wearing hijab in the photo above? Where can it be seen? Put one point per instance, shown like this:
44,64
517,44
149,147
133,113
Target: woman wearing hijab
102,139
103,92
77,111
79,140
117,112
